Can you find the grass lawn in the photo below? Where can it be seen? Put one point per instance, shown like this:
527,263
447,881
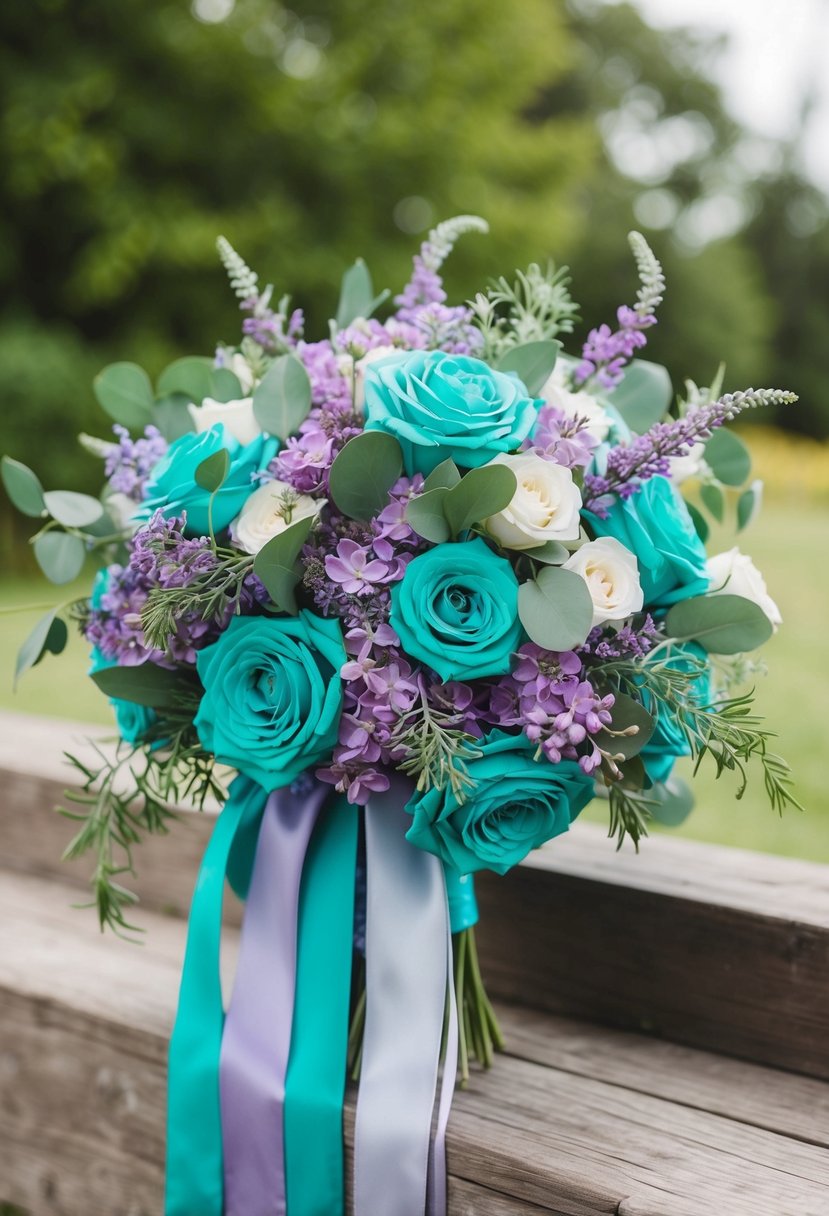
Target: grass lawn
790,545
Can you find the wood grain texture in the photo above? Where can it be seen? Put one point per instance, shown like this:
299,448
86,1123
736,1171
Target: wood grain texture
556,1128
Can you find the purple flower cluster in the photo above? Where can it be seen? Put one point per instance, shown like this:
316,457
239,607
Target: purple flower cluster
114,624
549,698
630,642
606,352
273,331
422,305
561,438
129,462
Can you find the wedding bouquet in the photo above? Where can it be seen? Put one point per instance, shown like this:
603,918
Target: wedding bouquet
428,586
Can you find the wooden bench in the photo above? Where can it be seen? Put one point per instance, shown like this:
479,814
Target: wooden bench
667,1022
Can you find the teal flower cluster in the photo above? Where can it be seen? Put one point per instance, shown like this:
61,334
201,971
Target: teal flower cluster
441,406
272,695
516,805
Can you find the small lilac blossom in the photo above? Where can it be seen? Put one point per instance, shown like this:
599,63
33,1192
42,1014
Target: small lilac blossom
129,462
354,568
561,438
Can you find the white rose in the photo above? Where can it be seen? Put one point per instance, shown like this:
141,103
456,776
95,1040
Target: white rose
578,405
545,505
238,417
691,465
270,510
121,509
612,576
733,573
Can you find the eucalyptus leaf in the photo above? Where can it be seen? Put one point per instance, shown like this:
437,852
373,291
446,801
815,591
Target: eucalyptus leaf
23,487
363,473
643,395
556,609
699,521
728,458
225,385
479,494
213,471
282,398
277,565
71,509
714,500
626,713
673,801
172,416
550,554
723,624
357,298
748,504
446,474
145,684
59,555
125,392
191,376
56,638
32,649
426,515
532,363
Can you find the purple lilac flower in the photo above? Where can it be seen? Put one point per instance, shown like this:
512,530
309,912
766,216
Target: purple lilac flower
273,331
354,568
561,438
605,352
631,642
129,462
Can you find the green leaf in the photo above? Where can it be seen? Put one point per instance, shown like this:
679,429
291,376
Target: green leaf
723,624
44,636
71,509
555,609
426,515
626,713
714,500
212,472
277,566
125,392
728,458
59,555
225,385
550,554
282,398
643,395
673,801
172,417
56,638
191,376
699,521
532,363
23,487
363,473
146,684
357,298
446,474
748,504
479,494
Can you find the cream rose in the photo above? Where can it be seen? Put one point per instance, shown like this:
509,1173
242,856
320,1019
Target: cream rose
734,573
270,510
691,465
545,505
612,576
238,417
578,405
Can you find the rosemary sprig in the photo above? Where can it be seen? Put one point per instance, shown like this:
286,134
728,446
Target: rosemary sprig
434,748
210,595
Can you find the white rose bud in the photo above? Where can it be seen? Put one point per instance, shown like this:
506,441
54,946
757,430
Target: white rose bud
612,576
545,505
270,510
733,573
691,465
238,417
358,370
121,509
242,371
578,405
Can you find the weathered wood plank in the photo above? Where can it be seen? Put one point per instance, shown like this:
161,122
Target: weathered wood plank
84,1020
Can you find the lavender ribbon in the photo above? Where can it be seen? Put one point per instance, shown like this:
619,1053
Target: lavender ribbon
257,1033
437,1158
408,961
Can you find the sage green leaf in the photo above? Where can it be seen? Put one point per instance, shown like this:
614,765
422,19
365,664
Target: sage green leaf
282,398
172,417
479,494
191,376
59,555
103,526
363,473
277,564
532,363
634,775
212,472
146,684
23,487
426,515
728,458
446,474
699,521
748,504
643,395
357,298
555,609
32,650
56,638
125,392
723,624
550,554
626,713
673,801
714,500
225,385
71,509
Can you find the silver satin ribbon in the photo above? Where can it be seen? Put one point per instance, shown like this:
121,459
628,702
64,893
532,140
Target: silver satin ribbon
408,962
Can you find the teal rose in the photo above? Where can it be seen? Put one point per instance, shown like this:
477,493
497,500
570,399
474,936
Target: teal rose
517,803
441,406
669,740
456,610
272,695
172,486
655,524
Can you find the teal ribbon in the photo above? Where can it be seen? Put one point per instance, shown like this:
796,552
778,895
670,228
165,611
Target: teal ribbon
315,1083
194,1184
463,906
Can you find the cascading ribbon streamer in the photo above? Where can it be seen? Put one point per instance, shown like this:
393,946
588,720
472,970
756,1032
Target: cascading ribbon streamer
194,1183
397,1171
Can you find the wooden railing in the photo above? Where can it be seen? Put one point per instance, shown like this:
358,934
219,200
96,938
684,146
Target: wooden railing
667,1018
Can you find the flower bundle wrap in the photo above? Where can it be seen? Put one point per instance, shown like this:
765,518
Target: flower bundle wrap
427,586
